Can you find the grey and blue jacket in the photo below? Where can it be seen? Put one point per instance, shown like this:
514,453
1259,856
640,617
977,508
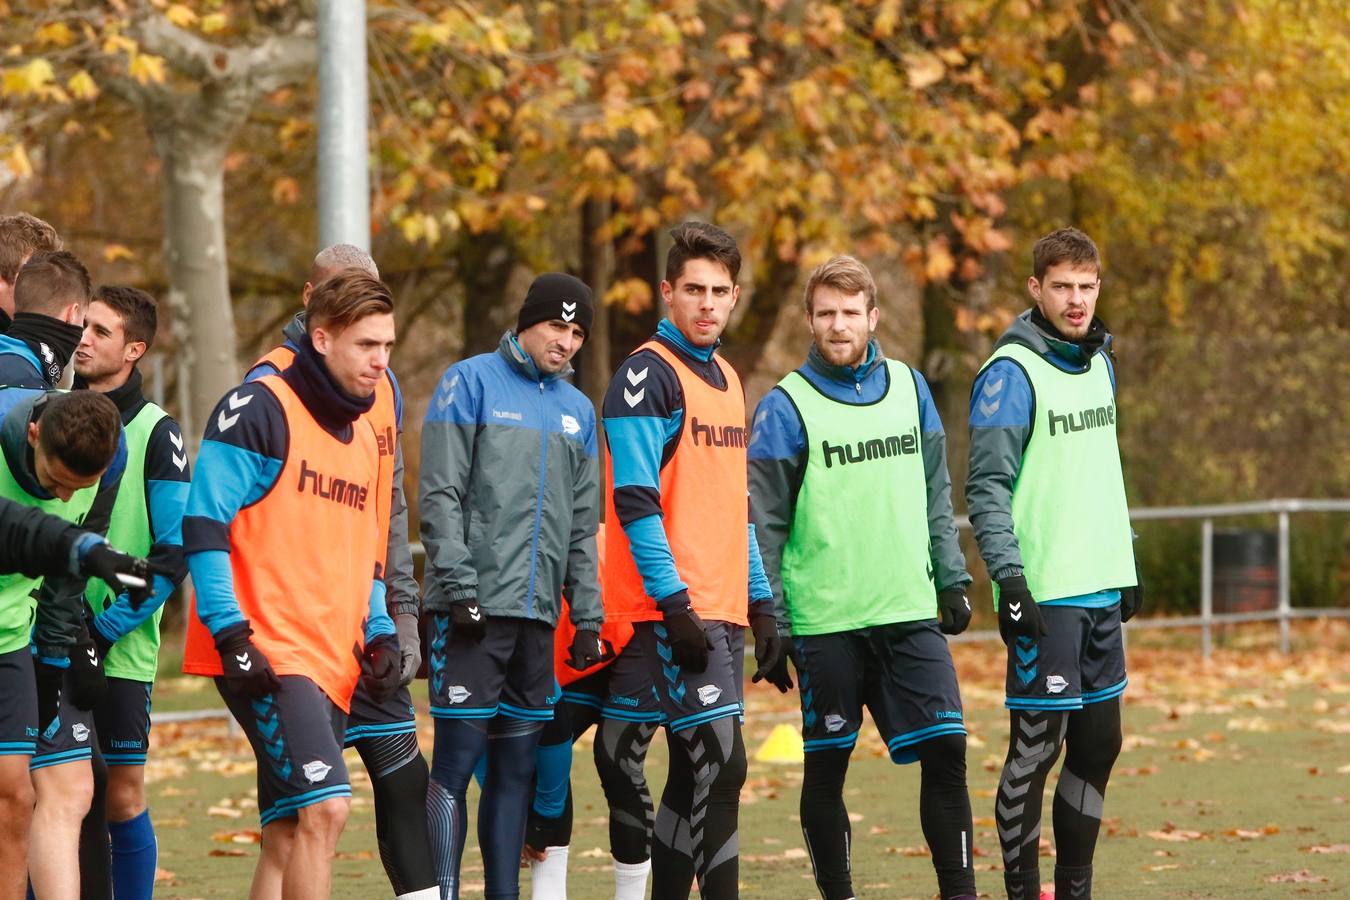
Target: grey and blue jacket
1002,409
510,491
778,458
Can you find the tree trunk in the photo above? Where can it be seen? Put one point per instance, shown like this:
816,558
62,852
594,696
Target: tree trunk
194,253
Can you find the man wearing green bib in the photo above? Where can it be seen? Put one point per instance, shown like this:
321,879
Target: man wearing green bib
147,520
1042,421
852,508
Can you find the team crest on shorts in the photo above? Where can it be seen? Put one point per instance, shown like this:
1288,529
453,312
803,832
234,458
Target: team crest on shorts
834,722
316,771
1055,684
457,693
79,731
708,694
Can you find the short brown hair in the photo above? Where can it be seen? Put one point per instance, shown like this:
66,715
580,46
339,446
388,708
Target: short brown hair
81,429
1064,245
345,299
140,316
49,282
846,275
22,235
701,240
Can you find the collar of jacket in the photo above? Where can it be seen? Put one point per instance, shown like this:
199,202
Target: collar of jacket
509,349
666,330
849,375
294,331
129,396
1046,340
18,452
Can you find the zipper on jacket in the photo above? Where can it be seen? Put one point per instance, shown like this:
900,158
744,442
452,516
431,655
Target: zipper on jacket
538,503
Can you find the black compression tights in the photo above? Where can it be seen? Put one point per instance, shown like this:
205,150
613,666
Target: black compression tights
398,776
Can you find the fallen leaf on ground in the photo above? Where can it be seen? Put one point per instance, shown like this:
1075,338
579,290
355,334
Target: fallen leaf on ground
1302,876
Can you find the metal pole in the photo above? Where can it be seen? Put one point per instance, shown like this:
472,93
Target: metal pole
344,157
1284,582
1206,587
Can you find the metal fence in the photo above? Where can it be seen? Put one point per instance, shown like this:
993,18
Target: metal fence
1284,613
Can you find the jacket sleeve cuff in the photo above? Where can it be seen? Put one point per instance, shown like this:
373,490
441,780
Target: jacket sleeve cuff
405,608
1006,572
464,594
589,625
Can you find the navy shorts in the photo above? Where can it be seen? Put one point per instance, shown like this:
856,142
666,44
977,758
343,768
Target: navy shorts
69,737
19,712
687,698
901,672
296,735
1080,660
122,721
510,671
622,690
370,719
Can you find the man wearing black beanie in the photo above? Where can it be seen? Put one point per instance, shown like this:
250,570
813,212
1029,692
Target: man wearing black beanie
510,497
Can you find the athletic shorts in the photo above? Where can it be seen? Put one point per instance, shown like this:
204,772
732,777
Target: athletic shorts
296,735
901,672
510,671
688,699
1080,660
621,690
69,737
19,709
122,721
370,719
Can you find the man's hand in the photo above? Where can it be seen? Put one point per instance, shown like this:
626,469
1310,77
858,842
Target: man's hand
246,670
589,649
769,651
88,683
1018,615
409,647
689,644
468,621
953,610
1131,600
380,666
124,574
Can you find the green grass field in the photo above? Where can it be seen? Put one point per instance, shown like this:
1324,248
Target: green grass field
1234,782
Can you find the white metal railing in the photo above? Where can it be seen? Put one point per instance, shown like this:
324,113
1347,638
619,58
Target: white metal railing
1284,613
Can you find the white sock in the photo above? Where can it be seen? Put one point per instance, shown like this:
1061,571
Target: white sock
630,880
548,879
431,893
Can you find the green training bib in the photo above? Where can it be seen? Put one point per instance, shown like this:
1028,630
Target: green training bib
1068,505
858,554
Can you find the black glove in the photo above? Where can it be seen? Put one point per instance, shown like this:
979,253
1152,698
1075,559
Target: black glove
381,666
1131,600
689,644
246,670
88,683
779,676
101,642
49,681
589,649
409,647
1018,615
102,561
769,650
468,621
953,610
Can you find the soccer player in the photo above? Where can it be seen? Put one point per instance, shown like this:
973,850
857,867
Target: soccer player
21,235
510,504
852,506
39,545
60,454
51,293
282,535
147,520
681,563
383,733
1043,411
617,697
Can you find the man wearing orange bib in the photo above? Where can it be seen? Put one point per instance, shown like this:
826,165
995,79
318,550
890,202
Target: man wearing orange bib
684,562
283,540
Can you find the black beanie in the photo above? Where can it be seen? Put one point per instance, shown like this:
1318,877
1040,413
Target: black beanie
555,295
